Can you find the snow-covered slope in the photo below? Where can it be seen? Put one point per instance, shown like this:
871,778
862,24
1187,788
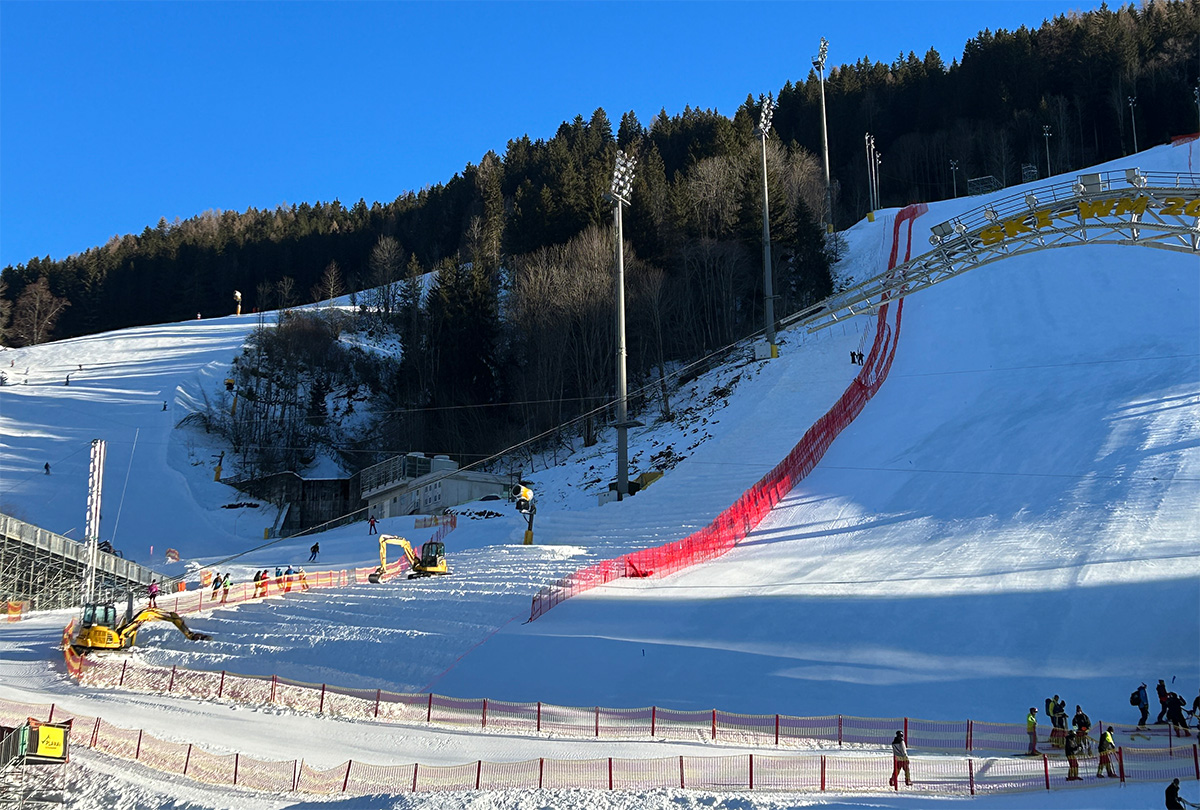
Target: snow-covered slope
1014,515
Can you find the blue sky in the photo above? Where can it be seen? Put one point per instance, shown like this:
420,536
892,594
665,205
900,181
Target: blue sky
113,115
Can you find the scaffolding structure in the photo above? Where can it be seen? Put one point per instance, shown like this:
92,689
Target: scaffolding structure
49,571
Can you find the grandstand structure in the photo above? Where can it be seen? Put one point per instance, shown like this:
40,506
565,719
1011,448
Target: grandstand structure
47,570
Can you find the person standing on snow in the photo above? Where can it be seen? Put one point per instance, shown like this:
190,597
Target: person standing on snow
1073,749
1161,689
1031,729
899,761
152,592
1173,800
1083,724
371,524
1143,705
225,581
1107,746
315,550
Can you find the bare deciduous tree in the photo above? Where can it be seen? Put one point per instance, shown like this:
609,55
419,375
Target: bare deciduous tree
36,313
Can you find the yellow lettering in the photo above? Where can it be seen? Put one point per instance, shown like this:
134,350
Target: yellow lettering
1125,206
1015,226
1174,206
1043,219
1192,209
1089,209
992,234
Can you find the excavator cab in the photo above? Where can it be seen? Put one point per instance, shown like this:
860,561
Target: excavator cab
433,560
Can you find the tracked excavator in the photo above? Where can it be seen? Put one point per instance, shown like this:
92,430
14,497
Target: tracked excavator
432,560
101,629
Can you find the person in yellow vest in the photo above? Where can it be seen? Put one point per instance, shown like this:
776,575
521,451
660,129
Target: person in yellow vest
1031,728
1106,748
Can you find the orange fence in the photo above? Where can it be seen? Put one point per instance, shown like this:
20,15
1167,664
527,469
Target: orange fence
735,523
597,722
813,772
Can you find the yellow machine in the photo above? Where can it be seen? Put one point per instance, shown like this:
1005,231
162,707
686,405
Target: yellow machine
431,561
99,628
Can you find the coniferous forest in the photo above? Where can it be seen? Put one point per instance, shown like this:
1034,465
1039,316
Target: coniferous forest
517,332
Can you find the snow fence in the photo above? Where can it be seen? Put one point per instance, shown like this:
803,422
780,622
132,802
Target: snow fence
734,524
809,772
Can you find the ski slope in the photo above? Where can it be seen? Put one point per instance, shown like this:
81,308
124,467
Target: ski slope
1013,516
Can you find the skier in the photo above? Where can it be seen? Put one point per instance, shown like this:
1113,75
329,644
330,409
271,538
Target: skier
1161,689
152,592
1073,749
899,760
315,549
1107,746
216,585
1031,728
1058,733
1175,707
371,524
225,581
1143,705
47,468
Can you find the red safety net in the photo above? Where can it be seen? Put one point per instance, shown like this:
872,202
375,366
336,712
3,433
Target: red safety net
734,524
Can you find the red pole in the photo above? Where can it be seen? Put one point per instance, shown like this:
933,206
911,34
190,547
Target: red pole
597,721
681,786
138,752
187,759
122,681
653,719
95,733
297,764
274,680
236,757
541,770
50,717
221,688
1046,766
777,729
478,772
906,741
1121,763
539,728
971,774
610,773
171,683
377,693
839,729
346,781
714,724
428,715
970,733
485,713
1196,760
822,773
320,707
415,766
752,771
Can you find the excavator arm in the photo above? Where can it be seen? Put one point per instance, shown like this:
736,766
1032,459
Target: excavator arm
386,540
128,631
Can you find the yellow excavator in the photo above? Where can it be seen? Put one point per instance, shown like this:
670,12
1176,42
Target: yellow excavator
432,560
100,629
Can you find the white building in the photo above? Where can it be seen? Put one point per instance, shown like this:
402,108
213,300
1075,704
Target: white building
415,484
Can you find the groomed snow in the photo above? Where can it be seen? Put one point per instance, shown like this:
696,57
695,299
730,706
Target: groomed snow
1014,515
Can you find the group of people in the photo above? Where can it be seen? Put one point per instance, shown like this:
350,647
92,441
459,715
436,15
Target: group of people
1172,708
221,586
262,579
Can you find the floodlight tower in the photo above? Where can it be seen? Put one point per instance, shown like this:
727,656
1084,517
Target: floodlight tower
818,62
954,175
1046,134
91,530
1133,121
764,127
622,187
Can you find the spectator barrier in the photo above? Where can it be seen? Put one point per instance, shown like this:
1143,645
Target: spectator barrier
597,722
810,772
734,524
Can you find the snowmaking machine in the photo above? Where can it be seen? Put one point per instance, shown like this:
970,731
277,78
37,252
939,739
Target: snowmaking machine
430,562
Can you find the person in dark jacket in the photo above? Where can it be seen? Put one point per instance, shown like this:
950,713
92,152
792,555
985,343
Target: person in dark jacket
1083,724
1175,706
1161,689
1173,800
899,760
1143,704
1073,749
315,549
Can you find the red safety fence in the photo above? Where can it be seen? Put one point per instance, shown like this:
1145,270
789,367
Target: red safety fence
810,772
734,524
596,722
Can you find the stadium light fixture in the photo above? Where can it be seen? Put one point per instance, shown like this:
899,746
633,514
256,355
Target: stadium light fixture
622,187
